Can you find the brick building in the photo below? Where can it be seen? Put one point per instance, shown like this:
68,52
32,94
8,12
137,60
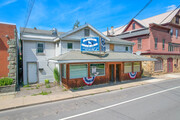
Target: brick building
8,51
157,37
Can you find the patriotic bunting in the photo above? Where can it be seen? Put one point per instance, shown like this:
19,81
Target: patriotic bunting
132,75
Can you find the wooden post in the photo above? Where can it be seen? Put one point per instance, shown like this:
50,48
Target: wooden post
67,74
115,73
89,70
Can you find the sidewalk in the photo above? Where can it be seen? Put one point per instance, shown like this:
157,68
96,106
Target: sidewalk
12,100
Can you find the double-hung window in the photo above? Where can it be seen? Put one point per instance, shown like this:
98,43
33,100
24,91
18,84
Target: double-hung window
177,33
139,43
171,31
177,20
155,43
163,44
127,48
69,46
133,26
40,47
86,32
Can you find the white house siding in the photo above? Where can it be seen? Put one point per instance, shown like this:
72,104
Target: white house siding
76,46
79,34
107,47
29,55
122,48
57,50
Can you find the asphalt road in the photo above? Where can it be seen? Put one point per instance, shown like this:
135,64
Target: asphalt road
157,101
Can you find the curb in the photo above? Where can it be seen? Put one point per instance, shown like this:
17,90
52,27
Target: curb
78,95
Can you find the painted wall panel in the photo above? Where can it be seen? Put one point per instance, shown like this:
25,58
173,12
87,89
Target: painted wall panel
29,55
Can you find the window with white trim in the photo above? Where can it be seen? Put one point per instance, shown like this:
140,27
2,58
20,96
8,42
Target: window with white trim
97,68
70,46
40,47
155,43
86,32
163,44
136,67
177,33
127,67
171,31
177,20
78,70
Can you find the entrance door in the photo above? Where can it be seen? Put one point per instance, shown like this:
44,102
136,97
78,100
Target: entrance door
118,66
32,73
169,65
111,72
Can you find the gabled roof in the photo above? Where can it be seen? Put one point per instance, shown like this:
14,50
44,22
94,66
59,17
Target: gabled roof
38,31
136,20
81,27
117,40
158,19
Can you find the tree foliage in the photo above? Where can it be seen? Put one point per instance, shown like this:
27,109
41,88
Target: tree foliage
56,75
76,24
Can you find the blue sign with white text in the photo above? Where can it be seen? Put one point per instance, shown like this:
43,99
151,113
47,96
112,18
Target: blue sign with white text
90,44
103,48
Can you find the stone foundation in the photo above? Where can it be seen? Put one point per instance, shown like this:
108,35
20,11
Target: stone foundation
148,66
12,50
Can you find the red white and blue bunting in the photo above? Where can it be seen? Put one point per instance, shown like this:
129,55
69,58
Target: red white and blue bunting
89,81
132,75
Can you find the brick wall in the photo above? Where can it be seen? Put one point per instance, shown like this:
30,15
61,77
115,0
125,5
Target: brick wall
8,50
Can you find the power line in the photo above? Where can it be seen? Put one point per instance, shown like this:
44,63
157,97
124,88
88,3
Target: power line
136,14
169,14
31,4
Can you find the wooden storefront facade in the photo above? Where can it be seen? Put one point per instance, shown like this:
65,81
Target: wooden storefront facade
114,71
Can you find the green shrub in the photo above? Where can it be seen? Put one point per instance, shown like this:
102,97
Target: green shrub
6,81
56,75
26,86
46,81
48,86
42,93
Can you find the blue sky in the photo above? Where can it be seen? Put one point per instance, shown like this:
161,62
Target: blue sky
62,14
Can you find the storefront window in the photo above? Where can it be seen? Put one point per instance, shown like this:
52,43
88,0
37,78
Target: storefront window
78,71
136,67
97,68
127,67
64,70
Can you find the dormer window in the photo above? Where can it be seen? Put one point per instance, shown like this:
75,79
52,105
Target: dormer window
133,26
177,20
86,32
171,32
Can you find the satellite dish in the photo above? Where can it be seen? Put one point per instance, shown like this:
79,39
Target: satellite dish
138,53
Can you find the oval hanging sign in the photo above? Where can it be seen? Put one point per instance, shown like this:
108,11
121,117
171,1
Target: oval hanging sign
90,44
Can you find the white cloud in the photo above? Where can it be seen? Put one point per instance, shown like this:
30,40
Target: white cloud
170,8
7,2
